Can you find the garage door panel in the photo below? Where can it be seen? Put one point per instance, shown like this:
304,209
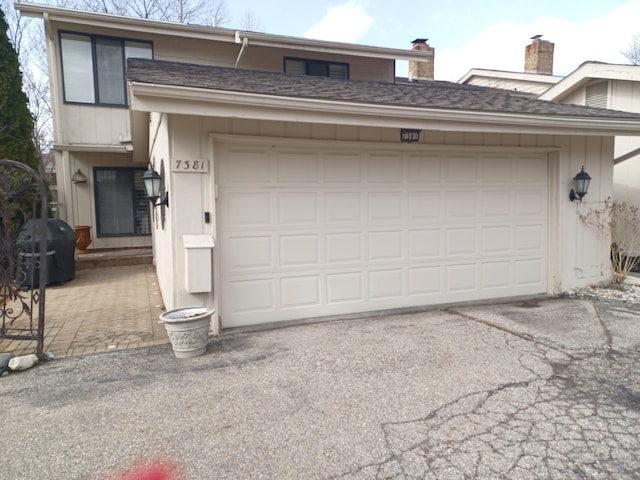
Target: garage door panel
424,205
248,209
528,272
384,169
495,203
460,203
496,240
385,284
345,287
528,203
364,231
342,168
385,245
461,278
461,241
530,170
496,169
300,291
251,296
248,253
385,206
299,250
344,247
463,168
425,244
296,167
341,207
530,238
297,208
496,275
245,166
425,281
424,169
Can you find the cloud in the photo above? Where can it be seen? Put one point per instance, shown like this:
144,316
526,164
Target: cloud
345,23
501,46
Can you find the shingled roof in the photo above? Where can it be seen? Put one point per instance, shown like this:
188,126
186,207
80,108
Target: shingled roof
426,94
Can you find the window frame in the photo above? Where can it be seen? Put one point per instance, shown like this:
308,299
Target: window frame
99,233
327,63
93,39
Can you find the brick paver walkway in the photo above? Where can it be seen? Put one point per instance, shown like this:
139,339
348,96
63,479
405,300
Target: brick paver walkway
100,310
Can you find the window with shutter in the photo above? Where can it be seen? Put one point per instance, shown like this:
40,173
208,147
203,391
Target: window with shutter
597,95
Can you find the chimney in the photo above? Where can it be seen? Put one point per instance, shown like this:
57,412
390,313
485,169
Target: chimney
422,70
538,57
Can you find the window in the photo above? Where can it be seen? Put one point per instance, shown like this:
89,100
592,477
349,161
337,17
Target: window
93,68
316,68
597,95
122,208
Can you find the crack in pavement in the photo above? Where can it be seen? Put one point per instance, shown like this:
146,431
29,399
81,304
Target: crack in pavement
582,421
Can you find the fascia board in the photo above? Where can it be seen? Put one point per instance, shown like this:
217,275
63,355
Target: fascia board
295,43
590,71
85,147
157,27
527,77
191,101
66,15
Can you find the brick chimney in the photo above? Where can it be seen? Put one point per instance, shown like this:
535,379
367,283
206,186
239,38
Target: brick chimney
538,57
422,70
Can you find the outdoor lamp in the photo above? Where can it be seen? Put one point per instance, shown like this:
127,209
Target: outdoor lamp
580,186
152,184
78,177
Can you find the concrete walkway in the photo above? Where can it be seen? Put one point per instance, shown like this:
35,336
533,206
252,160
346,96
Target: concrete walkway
546,389
101,309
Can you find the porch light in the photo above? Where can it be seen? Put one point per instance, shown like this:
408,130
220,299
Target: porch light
580,186
152,184
78,177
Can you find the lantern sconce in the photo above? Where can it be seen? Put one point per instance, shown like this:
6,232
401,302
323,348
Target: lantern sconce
580,186
153,183
78,177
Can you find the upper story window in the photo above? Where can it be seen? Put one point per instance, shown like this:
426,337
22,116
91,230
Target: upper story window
93,67
317,68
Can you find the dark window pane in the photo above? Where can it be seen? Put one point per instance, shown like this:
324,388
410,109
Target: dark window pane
110,66
121,205
318,69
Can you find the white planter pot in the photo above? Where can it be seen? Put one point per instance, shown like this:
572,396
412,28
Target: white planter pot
188,330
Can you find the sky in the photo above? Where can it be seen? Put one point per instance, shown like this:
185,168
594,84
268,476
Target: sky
490,34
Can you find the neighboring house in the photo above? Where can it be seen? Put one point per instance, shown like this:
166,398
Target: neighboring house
304,180
593,84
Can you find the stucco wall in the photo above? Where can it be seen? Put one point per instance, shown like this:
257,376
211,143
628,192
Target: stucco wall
578,254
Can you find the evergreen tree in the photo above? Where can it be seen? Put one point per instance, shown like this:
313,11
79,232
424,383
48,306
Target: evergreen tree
16,123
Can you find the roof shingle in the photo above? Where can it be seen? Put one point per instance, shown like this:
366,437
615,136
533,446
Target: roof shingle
429,94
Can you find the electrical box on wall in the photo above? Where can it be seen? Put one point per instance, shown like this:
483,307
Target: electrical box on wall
198,251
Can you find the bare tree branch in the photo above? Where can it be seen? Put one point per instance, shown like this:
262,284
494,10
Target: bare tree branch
632,52
251,23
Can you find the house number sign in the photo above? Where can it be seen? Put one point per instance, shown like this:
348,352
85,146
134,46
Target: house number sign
190,166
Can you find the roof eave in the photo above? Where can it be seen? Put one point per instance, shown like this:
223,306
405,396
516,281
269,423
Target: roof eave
66,15
145,97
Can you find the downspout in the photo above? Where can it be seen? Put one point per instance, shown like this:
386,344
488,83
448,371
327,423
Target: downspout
245,44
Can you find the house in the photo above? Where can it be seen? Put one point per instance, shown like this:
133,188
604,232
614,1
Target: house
301,179
593,84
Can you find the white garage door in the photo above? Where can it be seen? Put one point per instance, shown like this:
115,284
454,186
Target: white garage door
305,233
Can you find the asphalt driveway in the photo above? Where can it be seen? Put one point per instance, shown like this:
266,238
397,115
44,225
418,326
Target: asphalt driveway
537,389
